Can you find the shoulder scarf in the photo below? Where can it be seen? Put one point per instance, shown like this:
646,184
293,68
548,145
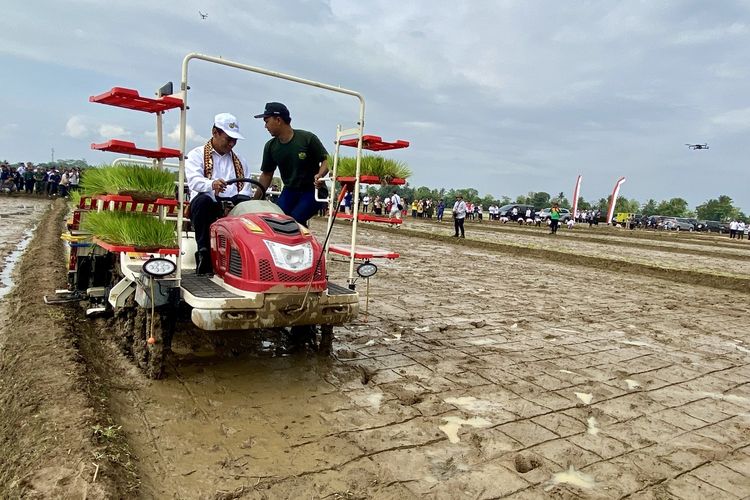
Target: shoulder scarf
208,164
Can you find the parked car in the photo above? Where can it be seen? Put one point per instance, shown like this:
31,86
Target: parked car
675,224
709,226
694,222
565,214
507,210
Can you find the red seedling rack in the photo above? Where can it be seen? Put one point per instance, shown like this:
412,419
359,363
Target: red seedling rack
375,143
128,204
369,218
371,179
130,99
129,148
362,252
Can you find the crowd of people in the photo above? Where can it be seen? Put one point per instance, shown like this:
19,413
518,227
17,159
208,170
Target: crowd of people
41,181
738,229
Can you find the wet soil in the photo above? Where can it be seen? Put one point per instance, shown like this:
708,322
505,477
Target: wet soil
487,368
48,417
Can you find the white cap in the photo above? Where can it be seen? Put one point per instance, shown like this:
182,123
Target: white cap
229,124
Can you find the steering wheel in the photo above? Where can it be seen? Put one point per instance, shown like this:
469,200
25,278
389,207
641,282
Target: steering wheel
249,181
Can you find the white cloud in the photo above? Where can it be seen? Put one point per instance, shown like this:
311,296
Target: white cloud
190,134
421,124
710,35
110,131
76,127
192,138
735,120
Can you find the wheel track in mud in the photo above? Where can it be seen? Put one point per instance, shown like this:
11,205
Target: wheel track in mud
725,282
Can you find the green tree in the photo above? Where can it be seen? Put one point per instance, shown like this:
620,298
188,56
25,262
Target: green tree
649,208
721,209
561,200
676,207
539,199
583,204
603,204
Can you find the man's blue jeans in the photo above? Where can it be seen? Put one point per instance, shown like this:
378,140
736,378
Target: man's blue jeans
299,204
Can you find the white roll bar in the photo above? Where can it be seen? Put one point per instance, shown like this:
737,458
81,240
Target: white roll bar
275,74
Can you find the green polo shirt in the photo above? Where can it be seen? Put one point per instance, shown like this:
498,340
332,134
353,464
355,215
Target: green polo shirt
298,160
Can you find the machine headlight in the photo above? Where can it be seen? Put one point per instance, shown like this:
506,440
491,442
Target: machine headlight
367,269
158,267
291,258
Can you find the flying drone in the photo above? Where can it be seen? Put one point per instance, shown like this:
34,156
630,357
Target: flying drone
203,16
697,146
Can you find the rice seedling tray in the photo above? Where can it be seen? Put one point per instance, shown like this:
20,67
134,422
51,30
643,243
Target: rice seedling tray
371,179
130,99
124,248
375,143
129,148
127,203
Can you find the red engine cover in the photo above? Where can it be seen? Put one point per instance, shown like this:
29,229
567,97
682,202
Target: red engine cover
241,258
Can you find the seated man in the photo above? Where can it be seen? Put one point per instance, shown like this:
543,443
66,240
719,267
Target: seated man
207,168
302,161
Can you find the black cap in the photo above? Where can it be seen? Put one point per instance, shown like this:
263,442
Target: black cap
274,109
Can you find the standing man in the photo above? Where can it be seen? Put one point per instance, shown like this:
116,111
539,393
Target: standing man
554,218
207,170
440,210
459,214
396,206
39,175
366,202
28,178
302,161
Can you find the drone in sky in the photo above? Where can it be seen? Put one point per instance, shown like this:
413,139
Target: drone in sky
697,146
203,16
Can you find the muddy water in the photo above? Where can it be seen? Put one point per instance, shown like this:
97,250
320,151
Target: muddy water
18,217
219,423
468,359
712,254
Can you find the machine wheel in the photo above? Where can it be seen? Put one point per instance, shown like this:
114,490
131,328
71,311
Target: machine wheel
325,346
150,357
124,325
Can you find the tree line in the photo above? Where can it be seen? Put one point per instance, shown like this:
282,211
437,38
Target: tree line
719,209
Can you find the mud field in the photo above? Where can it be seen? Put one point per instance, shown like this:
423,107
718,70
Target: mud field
510,364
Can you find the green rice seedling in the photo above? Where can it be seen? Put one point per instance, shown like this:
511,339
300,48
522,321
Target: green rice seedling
74,198
140,182
131,229
94,181
385,168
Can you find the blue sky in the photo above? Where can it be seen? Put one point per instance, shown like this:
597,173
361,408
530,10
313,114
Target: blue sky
504,96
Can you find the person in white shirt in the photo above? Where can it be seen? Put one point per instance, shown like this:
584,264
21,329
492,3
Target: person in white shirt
459,214
396,206
73,177
741,230
733,229
365,203
207,170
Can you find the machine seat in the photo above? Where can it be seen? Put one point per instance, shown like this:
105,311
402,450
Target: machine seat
256,207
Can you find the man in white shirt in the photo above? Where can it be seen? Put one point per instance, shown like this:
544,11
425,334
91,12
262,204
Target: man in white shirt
396,206
365,202
207,170
459,214
733,229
